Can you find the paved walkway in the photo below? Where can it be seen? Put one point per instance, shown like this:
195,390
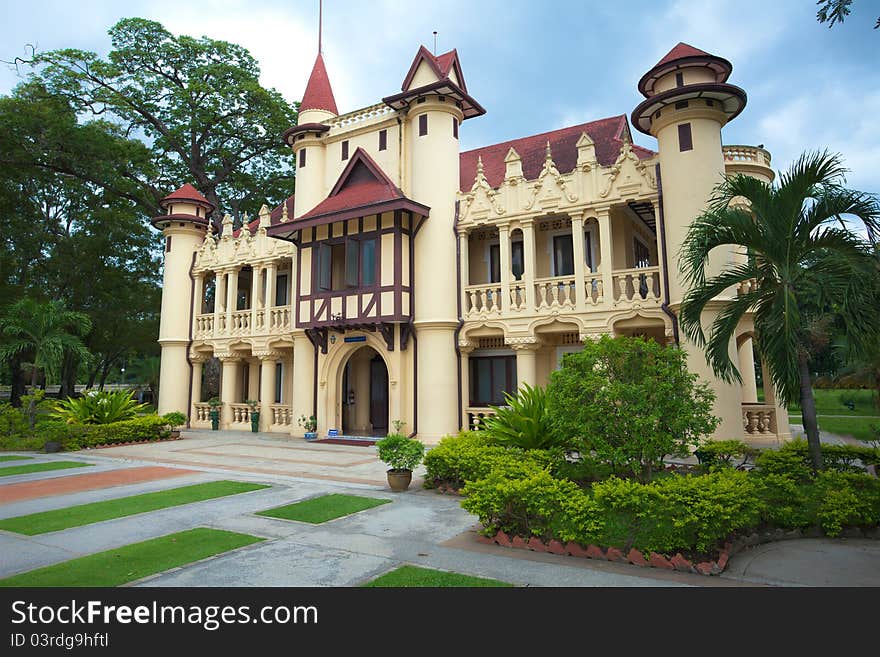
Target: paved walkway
420,527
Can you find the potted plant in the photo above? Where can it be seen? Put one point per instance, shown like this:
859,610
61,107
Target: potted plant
403,454
214,403
175,419
255,414
310,424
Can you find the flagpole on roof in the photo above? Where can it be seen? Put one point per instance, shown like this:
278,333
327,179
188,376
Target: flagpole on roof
320,24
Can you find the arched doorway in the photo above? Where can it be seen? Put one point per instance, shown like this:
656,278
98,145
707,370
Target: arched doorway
364,394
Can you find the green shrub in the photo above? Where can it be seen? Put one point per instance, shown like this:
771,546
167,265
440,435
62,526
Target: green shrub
13,423
175,419
583,471
840,458
400,452
726,453
846,499
537,504
631,402
77,436
469,457
524,421
98,407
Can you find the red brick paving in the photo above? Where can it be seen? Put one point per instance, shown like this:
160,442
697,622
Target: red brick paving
78,483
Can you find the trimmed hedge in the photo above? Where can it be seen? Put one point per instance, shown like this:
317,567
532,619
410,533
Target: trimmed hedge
794,458
468,457
79,436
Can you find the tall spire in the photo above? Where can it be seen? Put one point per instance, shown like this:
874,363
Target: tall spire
320,24
319,94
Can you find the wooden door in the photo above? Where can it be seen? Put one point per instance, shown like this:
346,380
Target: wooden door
378,396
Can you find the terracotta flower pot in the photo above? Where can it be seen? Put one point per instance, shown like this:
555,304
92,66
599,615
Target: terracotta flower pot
399,480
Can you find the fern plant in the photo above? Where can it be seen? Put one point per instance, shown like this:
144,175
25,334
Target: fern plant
523,422
98,407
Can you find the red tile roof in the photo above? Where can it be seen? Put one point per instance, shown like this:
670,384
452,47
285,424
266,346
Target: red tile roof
318,93
441,65
607,134
187,193
360,184
682,50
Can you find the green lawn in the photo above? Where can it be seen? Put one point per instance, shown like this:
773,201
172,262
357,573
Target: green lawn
324,508
132,562
828,402
13,457
857,427
40,467
413,576
86,514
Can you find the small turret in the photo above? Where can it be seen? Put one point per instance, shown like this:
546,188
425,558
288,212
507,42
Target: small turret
183,225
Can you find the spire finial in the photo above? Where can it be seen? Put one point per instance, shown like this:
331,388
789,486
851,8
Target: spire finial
479,165
320,24
435,42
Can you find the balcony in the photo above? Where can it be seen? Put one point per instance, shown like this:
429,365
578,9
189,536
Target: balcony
759,419
243,323
637,287
749,160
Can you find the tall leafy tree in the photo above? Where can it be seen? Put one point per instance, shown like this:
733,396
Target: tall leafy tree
836,11
807,262
197,102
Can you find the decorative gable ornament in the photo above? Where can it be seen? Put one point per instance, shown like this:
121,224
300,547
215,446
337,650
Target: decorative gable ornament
628,172
482,199
550,187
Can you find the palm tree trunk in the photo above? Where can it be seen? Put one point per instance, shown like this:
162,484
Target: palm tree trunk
808,413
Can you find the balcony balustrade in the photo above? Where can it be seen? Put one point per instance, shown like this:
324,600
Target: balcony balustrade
634,285
263,321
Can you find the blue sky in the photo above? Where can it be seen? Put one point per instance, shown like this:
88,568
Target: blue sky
534,65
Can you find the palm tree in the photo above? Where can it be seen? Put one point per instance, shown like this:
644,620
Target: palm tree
45,331
807,264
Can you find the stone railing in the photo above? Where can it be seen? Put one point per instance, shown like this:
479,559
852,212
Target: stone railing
518,295
202,415
636,284
364,115
279,319
745,287
482,299
476,417
750,154
758,419
241,414
556,292
204,325
281,415
241,322
595,289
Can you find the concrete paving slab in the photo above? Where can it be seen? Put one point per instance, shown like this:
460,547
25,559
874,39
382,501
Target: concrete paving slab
809,562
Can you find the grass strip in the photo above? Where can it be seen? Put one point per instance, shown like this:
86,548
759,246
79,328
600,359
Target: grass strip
131,562
324,508
8,471
13,457
413,576
86,514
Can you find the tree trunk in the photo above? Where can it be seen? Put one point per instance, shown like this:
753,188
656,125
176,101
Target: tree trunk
68,377
18,386
808,413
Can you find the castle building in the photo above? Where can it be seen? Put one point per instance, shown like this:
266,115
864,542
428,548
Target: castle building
409,281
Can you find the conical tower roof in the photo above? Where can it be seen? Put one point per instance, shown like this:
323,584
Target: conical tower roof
187,194
319,94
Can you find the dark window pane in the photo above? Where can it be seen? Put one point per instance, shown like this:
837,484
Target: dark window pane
455,127
279,379
168,244
324,267
679,79
281,290
383,140
563,255
337,267
685,140
588,250
494,263
483,381
423,125
302,158
499,380
517,259
345,150
641,254
351,263
368,262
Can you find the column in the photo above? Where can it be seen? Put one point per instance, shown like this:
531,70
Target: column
504,240
255,296
303,402
271,279
198,295
780,425
267,388
196,391
228,387
465,383
253,379
604,219
464,265
231,297
219,301
577,241
528,229
526,362
747,370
